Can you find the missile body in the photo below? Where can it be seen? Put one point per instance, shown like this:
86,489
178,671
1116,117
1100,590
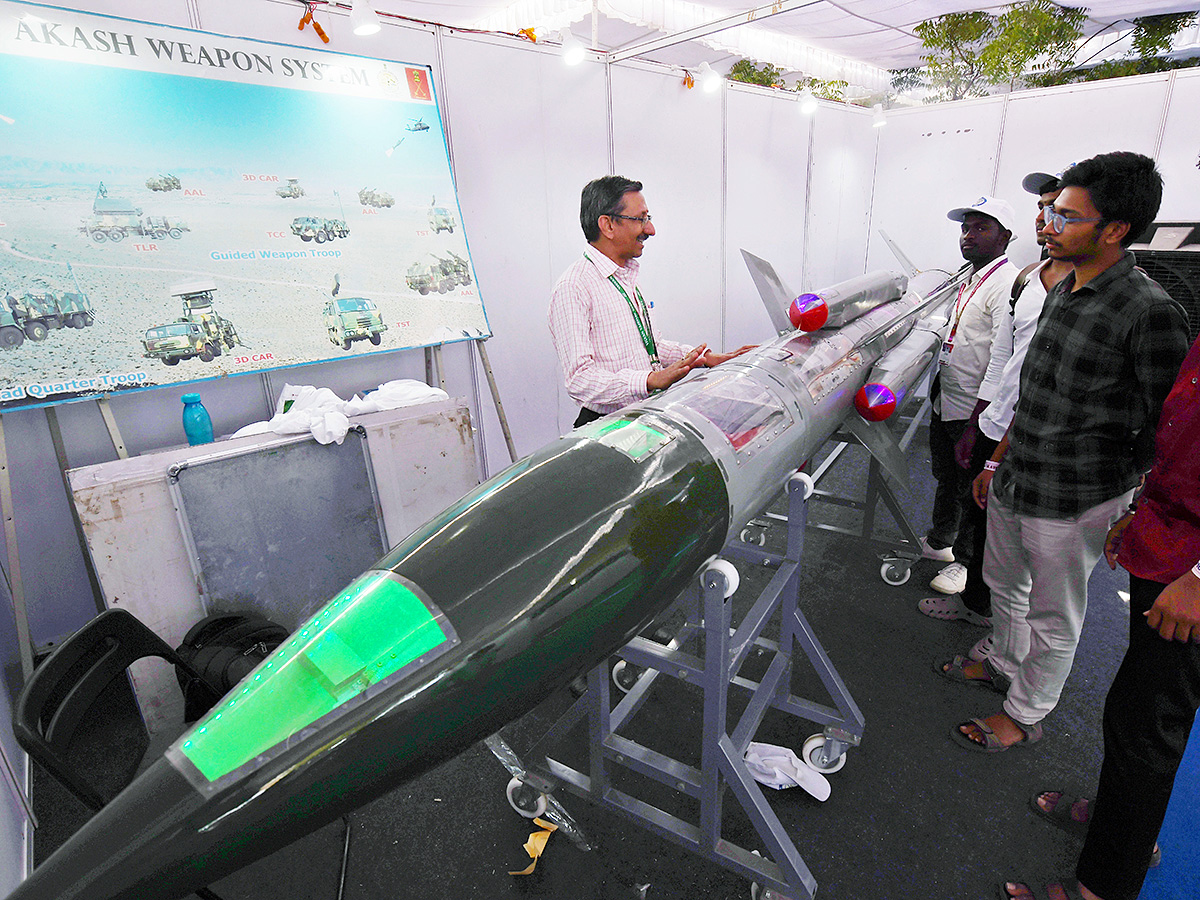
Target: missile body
846,300
894,376
533,578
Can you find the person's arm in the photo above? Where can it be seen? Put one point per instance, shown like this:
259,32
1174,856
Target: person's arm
661,379
1175,615
1158,345
711,359
979,487
1000,342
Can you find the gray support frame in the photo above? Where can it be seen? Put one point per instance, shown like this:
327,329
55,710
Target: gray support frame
897,560
726,648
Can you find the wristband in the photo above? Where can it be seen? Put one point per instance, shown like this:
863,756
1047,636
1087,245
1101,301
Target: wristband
991,465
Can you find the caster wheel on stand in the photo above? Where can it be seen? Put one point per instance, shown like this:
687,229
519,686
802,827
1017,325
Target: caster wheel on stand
812,756
525,800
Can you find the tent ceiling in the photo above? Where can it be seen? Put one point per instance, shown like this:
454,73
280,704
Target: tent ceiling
856,40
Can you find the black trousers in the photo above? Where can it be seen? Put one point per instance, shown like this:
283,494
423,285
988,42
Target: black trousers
1148,717
949,527
586,415
977,596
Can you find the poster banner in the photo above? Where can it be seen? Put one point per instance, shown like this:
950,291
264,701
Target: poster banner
176,205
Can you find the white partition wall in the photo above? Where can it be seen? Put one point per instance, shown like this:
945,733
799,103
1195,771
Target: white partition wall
843,180
932,159
528,133
671,139
1178,153
767,144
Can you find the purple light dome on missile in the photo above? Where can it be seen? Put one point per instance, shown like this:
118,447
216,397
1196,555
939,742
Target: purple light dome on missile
808,312
875,402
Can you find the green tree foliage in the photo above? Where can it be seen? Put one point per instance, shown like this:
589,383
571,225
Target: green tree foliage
968,53
1033,43
834,89
1152,35
1029,31
954,43
746,72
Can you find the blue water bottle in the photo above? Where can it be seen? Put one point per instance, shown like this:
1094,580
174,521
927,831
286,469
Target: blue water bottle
196,423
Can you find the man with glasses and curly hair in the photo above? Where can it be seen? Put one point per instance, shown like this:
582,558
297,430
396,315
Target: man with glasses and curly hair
1105,354
599,320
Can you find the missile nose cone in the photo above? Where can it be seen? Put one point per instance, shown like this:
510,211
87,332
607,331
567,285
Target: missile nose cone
808,312
875,402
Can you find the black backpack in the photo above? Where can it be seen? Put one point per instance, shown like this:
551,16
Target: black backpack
222,649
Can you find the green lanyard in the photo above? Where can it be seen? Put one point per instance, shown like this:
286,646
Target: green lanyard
642,327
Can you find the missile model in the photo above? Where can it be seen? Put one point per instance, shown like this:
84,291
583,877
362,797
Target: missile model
533,578
846,300
897,373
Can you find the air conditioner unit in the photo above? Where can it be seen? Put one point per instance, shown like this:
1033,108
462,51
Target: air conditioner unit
1170,254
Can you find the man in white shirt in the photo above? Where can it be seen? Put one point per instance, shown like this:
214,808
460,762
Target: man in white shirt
961,392
599,321
1019,320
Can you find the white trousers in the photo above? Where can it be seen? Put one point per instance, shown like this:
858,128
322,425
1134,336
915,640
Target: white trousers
1038,571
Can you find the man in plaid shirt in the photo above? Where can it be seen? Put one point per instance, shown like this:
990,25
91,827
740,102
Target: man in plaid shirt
598,319
1107,348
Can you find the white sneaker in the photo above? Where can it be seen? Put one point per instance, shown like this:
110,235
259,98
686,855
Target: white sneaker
946,554
983,648
951,580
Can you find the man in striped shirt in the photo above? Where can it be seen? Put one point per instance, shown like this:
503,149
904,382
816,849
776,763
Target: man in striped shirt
599,321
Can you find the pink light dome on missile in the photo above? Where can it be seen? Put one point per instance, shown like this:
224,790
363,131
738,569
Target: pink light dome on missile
875,402
808,312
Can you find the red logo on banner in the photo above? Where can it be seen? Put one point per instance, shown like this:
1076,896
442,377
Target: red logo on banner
418,84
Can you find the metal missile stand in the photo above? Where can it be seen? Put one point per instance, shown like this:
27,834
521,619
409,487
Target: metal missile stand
726,647
897,558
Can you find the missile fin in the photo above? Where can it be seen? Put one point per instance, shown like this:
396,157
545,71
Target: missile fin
882,444
775,295
909,268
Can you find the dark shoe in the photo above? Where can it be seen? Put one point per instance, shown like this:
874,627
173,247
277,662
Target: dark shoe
1063,816
951,609
991,744
953,670
1022,891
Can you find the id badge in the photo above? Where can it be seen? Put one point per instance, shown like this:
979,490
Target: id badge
944,356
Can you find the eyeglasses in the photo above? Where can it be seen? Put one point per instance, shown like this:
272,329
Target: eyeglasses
641,220
1057,222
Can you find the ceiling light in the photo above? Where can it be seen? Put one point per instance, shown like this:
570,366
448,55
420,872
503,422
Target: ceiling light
808,103
363,19
878,120
573,50
709,80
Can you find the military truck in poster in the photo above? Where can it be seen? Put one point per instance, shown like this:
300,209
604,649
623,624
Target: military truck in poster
114,219
349,319
372,197
200,332
314,228
456,267
35,315
427,277
291,190
438,273
117,228
440,220
175,341
163,183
